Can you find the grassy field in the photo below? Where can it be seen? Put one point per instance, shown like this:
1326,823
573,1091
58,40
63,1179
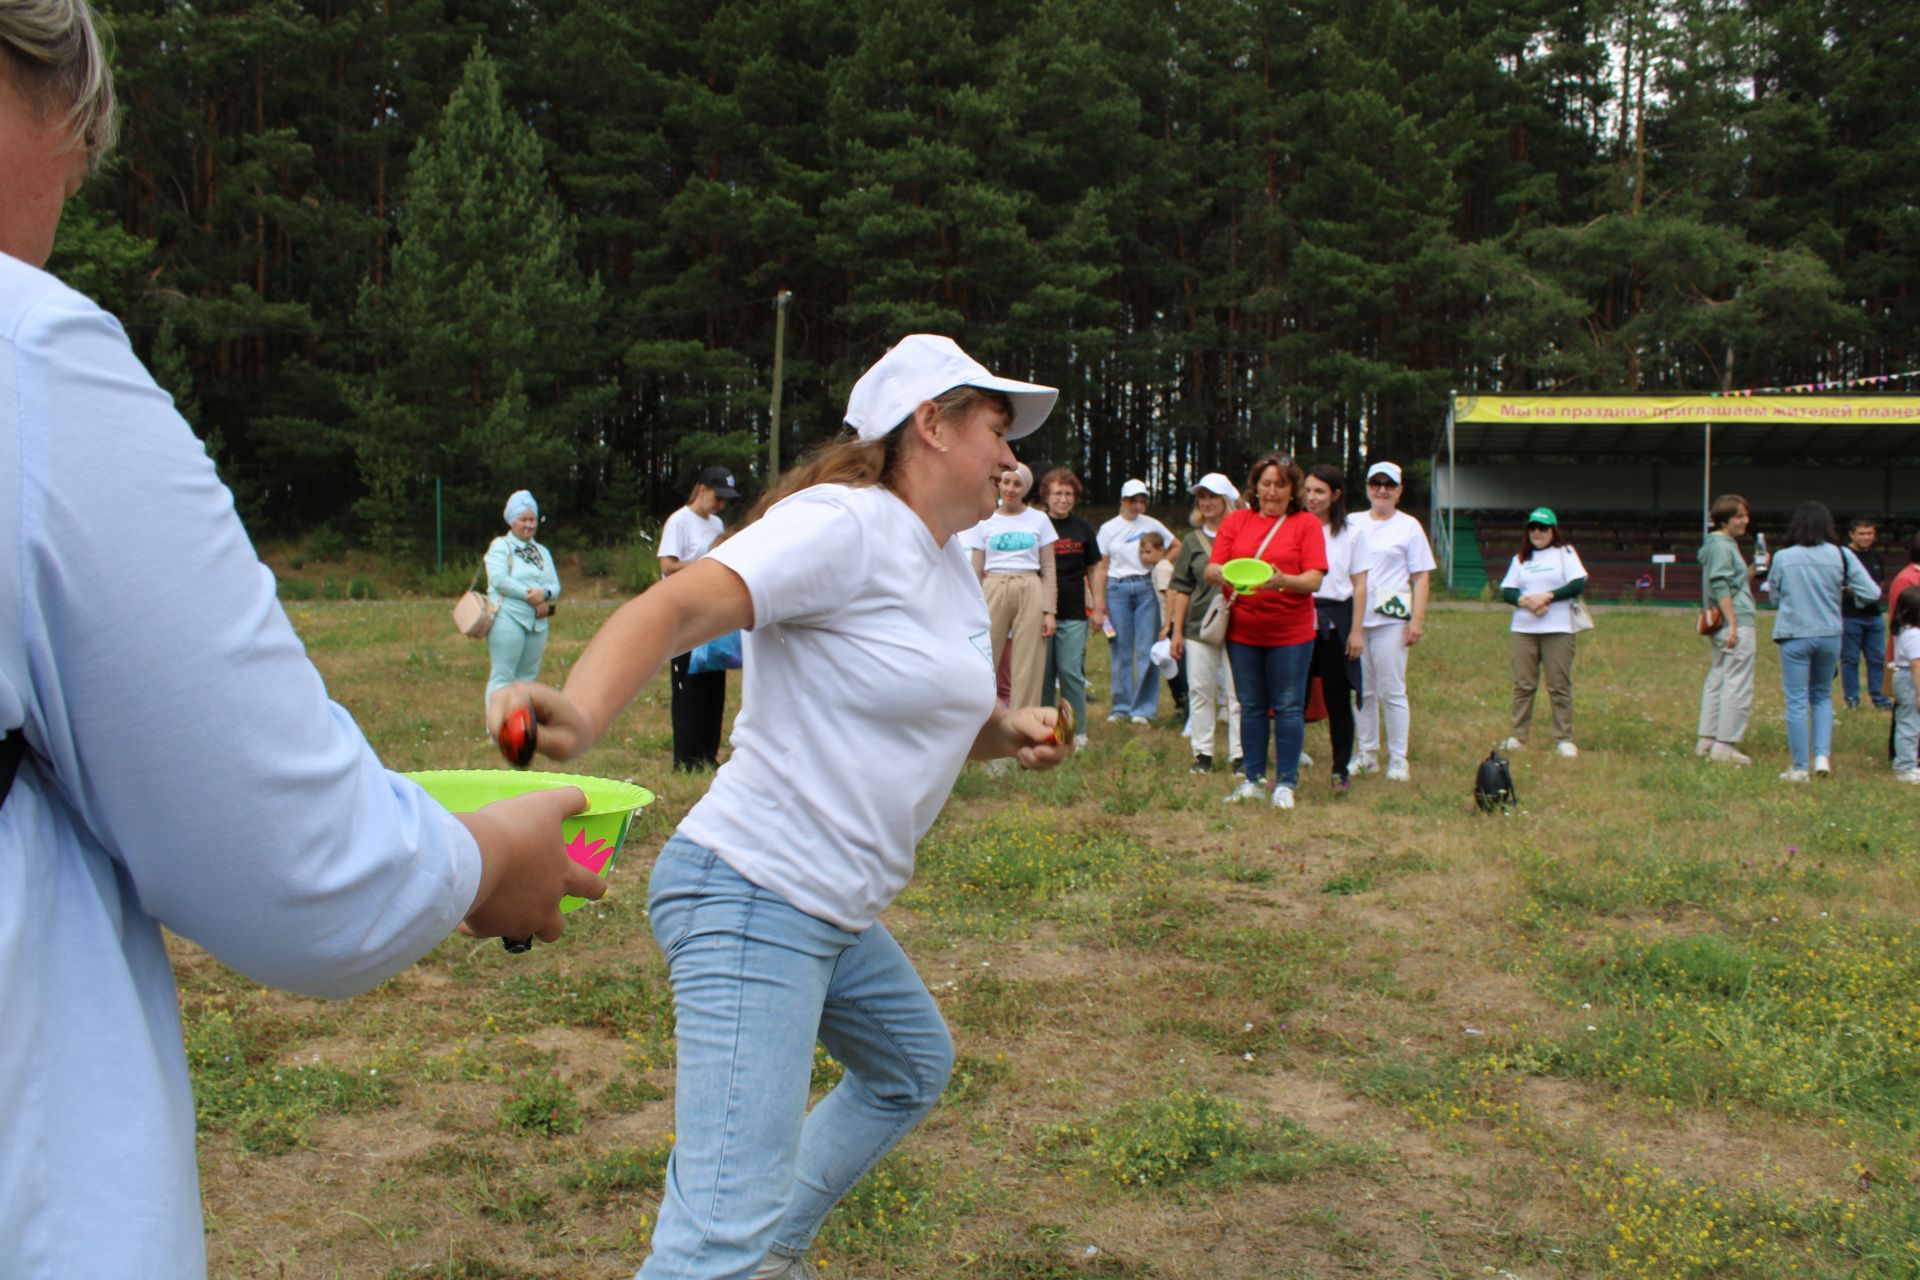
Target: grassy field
1663,1021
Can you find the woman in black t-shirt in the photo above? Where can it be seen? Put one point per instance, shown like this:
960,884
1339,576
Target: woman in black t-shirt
1074,555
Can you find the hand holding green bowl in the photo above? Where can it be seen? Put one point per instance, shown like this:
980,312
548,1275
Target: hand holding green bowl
1246,575
593,836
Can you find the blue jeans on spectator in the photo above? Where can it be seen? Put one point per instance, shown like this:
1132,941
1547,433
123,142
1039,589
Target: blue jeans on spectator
1135,611
755,981
1863,636
1271,681
1067,667
1806,682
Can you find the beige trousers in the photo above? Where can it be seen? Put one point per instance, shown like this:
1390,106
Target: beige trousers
1531,653
1014,613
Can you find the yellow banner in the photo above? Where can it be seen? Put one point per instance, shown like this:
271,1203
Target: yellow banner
1666,410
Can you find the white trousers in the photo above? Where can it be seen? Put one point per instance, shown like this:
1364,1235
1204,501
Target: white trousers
1383,670
1210,696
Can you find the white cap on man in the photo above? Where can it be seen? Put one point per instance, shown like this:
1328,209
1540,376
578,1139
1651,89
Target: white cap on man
1391,470
924,365
1133,489
1215,483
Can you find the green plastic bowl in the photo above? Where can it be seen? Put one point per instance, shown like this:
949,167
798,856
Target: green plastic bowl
1246,574
593,836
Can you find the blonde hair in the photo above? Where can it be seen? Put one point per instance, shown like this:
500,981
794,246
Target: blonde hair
856,462
54,55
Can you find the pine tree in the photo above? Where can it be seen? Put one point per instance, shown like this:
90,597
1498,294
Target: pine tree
480,329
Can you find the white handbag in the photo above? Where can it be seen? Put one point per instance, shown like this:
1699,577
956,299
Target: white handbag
473,612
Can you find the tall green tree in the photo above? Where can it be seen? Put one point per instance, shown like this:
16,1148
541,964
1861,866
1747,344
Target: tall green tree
478,333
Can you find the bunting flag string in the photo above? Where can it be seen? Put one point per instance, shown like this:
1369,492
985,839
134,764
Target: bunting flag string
1837,384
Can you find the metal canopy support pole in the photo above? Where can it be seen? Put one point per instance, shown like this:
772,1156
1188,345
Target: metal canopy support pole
780,302
1706,487
1453,495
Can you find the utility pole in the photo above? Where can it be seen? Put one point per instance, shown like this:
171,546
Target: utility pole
780,301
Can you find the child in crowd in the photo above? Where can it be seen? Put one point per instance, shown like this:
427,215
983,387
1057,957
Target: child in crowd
1898,681
1156,552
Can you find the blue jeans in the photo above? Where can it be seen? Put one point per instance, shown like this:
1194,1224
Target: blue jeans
755,982
1859,636
1271,679
1806,677
1135,610
1906,721
1067,668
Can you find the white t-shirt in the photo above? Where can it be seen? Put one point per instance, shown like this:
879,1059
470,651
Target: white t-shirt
686,537
1906,647
1346,556
1012,543
867,676
1119,540
1547,570
1396,549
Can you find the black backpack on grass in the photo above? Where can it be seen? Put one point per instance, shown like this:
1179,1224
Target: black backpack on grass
1493,784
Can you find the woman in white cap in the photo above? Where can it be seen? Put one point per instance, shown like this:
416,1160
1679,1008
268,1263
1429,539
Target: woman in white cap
522,579
1399,566
1125,591
1542,583
1012,551
1209,674
699,697
869,683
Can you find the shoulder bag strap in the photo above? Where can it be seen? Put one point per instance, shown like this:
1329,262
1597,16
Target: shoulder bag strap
1262,548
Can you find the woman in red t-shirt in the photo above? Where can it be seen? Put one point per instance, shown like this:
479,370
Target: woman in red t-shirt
1270,632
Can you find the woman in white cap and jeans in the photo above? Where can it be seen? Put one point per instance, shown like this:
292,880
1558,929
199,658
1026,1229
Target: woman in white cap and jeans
699,697
869,683
522,580
1209,674
1131,605
1399,565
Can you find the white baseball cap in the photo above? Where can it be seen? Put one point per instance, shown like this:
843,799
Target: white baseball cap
1134,489
923,365
1214,482
1391,470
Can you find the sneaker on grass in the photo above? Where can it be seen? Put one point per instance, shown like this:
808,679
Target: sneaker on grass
1566,749
1245,791
1397,770
1201,764
1363,762
1727,753
1511,743
1283,796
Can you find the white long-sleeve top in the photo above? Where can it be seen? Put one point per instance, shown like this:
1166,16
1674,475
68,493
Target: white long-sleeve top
185,770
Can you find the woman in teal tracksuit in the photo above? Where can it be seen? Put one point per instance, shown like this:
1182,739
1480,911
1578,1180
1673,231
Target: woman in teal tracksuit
521,578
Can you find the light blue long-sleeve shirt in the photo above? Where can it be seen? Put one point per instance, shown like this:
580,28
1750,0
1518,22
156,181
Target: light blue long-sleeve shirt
510,577
1806,583
185,770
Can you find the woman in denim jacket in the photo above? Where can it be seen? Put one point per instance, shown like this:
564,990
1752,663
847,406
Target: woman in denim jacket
522,579
1808,578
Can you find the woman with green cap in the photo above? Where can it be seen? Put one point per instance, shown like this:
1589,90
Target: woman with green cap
1542,583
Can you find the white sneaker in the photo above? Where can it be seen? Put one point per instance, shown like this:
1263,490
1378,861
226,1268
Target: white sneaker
1702,746
1118,717
1794,775
778,1268
1306,761
1245,791
1566,749
1513,744
1141,720
1363,762
1911,776
1822,767
1079,742
1397,771
1283,796
1725,754
1001,767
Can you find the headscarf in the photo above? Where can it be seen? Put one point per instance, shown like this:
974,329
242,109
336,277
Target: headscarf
522,500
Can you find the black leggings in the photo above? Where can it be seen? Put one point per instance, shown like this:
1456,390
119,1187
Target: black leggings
1330,664
699,704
